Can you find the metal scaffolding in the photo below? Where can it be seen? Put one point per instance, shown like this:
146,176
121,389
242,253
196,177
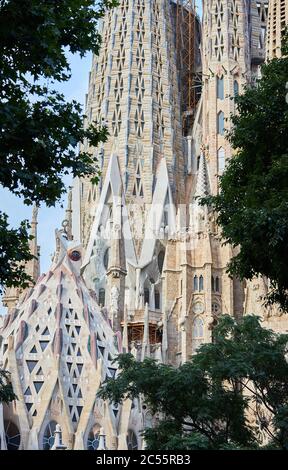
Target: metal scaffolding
187,44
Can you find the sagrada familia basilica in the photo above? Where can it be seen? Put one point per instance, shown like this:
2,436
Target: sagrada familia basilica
139,264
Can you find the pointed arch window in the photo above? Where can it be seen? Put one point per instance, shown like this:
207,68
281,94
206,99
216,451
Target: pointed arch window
146,296
93,438
217,284
157,299
213,284
196,283
236,88
106,258
12,435
201,283
197,333
102,297
220,88
161,257
221,160
220,123
132,442
48,438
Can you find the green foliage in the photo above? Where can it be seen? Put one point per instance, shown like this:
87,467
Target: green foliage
252,202
40,131
205,402
14,250
6,392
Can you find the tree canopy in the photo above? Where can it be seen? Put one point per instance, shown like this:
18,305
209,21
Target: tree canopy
206,402
40,130
6,391
252,203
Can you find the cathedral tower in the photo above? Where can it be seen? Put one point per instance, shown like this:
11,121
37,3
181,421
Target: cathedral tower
278,21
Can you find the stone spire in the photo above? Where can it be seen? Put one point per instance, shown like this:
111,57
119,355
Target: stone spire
32,267
146,341
116,272
202,182
67,222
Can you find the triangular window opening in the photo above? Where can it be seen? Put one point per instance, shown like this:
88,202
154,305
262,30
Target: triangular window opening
29,406
43,345
38,386
31,365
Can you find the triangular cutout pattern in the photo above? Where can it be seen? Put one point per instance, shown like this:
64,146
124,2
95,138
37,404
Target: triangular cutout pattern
38,386
31,365
43,345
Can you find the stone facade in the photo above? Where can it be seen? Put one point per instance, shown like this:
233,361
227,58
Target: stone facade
139,265
278,20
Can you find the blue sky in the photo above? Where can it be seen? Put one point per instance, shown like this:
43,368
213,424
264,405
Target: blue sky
51,218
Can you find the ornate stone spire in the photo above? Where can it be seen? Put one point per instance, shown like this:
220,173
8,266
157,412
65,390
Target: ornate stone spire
67,222
202,182
32,267
116,272
146,341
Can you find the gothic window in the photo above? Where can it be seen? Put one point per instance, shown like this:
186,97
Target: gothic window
146,296
132,442
236,88
12,435
197,333
220,123
93,438
213,284
157,299
196,283
221,160
102,297
201,283
48,438
217,284
161,257
215,308
106,258
220,88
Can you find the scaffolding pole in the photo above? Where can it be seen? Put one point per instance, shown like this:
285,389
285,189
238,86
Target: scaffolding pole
186,44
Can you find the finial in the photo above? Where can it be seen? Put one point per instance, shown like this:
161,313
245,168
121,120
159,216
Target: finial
58,445
101,440
67,222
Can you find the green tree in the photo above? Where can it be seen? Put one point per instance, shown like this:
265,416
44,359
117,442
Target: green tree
40,131
6,391
205,403
252,203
